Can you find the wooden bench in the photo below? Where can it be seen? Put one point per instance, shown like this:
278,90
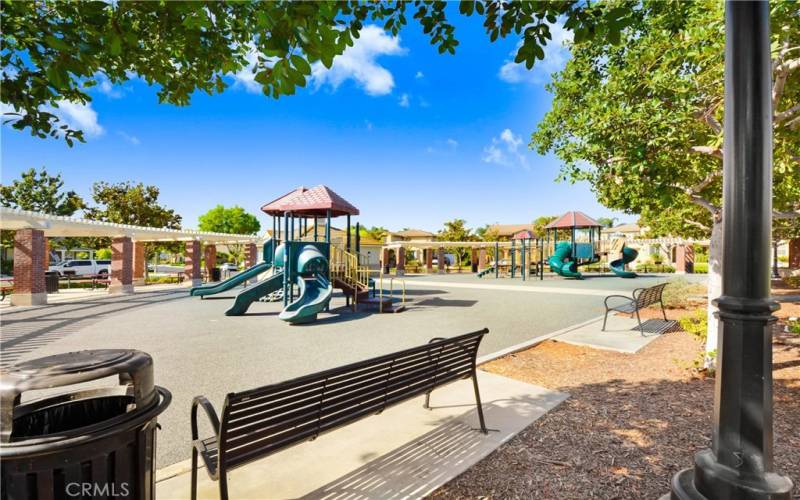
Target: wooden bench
259,422
641,298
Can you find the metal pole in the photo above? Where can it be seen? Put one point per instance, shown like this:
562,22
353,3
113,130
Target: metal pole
358,237
286,261
348,233
496,260
739,464
328,228
316,232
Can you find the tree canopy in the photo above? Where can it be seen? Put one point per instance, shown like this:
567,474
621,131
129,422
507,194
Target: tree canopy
55,51
129,203
641,121
40,192
233,220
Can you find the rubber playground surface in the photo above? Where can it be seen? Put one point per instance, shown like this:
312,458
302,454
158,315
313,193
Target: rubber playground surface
198,350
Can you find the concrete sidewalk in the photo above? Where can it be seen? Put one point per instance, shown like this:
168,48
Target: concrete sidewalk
405,452
621,334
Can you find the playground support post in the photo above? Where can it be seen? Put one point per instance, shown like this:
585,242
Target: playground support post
286,260
513,255
348,234
739,464
328,227
496,260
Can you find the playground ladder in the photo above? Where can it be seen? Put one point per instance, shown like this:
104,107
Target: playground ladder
347,268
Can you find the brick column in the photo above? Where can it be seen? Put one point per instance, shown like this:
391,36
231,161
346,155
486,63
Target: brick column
385,260
429,260
29,250
191,263
121,265
684,259
473,260
250,255
210,256
482,259
794,253
139,262
440,260
401,261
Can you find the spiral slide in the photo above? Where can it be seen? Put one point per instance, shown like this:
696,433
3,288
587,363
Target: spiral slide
618,266
562,263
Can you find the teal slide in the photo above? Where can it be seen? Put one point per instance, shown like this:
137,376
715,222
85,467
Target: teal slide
254,292
562,263
486,271
315,294
618,266
315,289
238,279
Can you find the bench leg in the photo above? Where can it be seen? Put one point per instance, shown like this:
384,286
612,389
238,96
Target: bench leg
664,312
478,402
641,328
194,473
223,484
427,403
605,318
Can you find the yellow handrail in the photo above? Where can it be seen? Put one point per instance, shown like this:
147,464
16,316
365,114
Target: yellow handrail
347,267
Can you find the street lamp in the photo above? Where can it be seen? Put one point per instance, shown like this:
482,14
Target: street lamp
739,464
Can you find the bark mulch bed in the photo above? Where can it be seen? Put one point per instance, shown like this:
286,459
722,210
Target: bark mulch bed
632,421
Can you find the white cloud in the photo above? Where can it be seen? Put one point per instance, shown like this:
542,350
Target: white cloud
368,124
107,88
78,116
452,143
246,77
404,101
359,63
419,75
445,147
423,103
131,139
505,150
556,54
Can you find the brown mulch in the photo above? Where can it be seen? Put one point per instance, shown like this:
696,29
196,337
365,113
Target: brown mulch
631,422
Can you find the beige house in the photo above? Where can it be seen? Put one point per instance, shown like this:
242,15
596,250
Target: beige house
507,231
412,236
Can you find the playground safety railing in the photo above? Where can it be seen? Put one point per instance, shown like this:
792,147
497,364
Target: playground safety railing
391,290
347,267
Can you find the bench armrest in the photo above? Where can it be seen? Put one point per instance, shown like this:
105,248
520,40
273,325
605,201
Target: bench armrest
628,299
436,339
210,412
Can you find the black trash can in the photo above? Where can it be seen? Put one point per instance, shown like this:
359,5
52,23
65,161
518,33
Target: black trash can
87,443
51,281
216,274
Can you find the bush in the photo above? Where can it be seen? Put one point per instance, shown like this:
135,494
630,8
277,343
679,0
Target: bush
792,281
783,258
701,267
153,280
103,254
697,326
679,290
794,326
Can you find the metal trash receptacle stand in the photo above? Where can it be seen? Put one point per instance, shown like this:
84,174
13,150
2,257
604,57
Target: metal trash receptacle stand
87,443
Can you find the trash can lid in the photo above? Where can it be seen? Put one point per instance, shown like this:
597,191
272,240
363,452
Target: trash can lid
133,368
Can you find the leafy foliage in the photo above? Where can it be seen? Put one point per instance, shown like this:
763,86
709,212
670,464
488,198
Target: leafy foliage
55,51
40,192
539,224
641,121
233,220
679,291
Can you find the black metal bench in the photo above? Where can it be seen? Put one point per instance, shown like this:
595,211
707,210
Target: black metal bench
259,422
642,297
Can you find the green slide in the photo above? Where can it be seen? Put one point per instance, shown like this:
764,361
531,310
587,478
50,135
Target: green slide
315,294
315,289
618,266
561,261
254,292
238,279
485,272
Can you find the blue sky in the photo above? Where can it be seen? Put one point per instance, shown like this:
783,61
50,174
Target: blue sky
411,137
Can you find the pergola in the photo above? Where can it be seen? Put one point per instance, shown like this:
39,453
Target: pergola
31,255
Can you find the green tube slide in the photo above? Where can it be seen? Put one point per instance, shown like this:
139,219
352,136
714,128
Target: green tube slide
618,266
315,289
562,263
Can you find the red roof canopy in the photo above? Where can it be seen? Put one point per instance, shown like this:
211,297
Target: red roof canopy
311,202
273,207
573,219
525,234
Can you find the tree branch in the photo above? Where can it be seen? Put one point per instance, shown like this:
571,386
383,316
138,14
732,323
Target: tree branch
716,212
786,215
707,150
705,182
781,74
697,224
785,115
707,117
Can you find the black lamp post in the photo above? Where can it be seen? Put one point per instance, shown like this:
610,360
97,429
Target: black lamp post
739,464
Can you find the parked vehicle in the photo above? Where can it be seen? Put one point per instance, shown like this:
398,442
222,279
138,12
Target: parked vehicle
82,267
229,267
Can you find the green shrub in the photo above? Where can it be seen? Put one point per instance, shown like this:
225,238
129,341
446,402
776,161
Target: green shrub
792,281
696,324
783,258
679,290
103,254
701,267
152,280
80,284
794,326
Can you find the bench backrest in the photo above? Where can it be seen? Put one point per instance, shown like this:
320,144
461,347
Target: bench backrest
648,296
262,421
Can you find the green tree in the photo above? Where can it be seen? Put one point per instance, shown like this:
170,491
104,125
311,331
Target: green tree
376,232
457,230
233,220
40,192
539,224
607,221
642,121
55,51
135,204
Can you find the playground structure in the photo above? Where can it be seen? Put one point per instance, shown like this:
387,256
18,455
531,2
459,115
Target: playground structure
302,265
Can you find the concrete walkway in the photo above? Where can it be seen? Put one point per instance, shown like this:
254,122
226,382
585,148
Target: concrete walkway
621,334
405,452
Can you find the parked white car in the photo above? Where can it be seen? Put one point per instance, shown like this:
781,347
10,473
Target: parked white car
80,267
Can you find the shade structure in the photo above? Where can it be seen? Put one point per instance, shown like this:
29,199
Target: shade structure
273,207
314,202
524,235
573,219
